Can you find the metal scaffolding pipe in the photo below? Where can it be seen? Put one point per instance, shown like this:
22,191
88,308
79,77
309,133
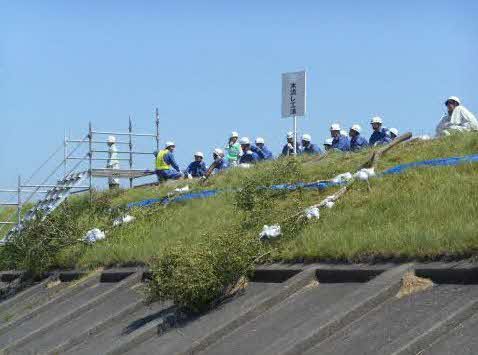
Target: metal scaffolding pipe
94,142
123,152
126,134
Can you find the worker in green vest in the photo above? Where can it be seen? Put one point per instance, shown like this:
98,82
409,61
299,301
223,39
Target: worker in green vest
166,166
233,149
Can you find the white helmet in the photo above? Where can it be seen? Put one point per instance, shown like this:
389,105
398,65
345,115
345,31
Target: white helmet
234,134
111,139
169,144
306,137
244,140
199,154
260,140
454,98
290,135
335,127
376,119
343,133
219,152
328,141
356,128
394,131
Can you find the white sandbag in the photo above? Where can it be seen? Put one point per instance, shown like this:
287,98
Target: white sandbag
182,189
312,212
93,236
365,174
270,232
244,165
341,178
329,204
123,220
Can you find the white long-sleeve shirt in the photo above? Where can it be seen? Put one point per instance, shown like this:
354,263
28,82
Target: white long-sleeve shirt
460,120
113,162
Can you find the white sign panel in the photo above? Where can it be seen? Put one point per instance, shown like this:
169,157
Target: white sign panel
293,94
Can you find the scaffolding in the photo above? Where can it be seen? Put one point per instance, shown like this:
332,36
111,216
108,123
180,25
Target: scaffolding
72,180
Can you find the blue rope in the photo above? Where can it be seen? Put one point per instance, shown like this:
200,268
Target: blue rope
320,185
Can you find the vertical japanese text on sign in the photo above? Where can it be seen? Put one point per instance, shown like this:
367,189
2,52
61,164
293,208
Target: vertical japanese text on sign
293,94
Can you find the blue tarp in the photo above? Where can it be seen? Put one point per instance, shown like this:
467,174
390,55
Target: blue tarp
320,185
433,162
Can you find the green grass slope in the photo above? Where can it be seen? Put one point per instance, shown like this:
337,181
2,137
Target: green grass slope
425,214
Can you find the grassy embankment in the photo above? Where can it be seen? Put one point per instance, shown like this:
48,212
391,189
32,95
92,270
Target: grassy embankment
425,213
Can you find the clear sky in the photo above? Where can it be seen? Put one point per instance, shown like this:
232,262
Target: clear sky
212,67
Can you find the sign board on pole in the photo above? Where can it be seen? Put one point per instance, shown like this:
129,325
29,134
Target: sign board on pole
293,94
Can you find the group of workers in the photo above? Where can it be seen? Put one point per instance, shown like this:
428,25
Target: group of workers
241,152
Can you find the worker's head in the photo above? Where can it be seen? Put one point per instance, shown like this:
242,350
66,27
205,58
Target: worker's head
306,138
170,146
290,137
355,130
111,140
376,123
245,144
335,130
451,103
393,133
328,143
217,153
260,142
233,137
198,156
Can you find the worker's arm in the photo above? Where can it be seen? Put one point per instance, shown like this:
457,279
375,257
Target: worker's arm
169,159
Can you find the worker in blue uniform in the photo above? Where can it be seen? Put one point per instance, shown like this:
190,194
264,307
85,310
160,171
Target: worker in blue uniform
357,142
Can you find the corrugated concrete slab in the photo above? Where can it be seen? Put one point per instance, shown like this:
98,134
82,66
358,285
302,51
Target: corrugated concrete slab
30,299
352,310
63,331
257,335
182,337
106,337
462,340
397,321
50,311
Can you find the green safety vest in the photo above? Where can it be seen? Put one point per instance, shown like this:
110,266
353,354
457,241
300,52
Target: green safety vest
233,151
160,163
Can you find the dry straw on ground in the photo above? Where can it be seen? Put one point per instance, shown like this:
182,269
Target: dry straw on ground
413,284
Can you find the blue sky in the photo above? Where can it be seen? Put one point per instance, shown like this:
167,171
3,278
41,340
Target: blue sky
213,67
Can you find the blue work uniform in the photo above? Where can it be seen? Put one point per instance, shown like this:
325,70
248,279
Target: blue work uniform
249,158
357,143
311,149
341,143
221,164
264,153
173,172
288,151
380,137
196,169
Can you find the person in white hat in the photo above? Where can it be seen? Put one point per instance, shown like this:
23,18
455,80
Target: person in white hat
261,149
457,119
112,162
288,148
248,156
308,147
233,149
166,166
339,142
328,143
357,142
380,134
393,133
219,161
197,168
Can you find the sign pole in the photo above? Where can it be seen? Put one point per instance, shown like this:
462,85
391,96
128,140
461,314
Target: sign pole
295,135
